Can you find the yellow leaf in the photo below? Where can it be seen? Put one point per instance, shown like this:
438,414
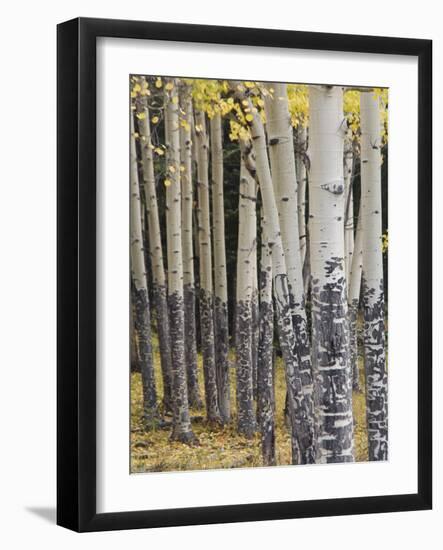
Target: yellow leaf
141,116
249,85
169,86
172,169
249,117
175,100
154,119
158,83
167,182
136,88
159,151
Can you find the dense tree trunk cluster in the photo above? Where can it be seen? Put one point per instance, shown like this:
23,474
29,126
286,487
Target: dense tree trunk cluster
306,272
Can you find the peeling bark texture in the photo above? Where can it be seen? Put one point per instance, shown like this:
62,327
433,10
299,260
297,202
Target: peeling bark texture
181,430
282,159
188,250
159,286
206,303
140,298
353,303
265,367
220,282
301,140
246,423
372,279
348,163
333,396
302,436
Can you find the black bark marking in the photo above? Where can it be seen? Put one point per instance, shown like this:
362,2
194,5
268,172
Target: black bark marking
375,370
245,401
142,325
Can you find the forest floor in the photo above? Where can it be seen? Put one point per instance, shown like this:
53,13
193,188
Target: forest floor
220,447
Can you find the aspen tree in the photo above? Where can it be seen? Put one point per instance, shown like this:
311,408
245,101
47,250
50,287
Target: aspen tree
301,188
140,297
328,287
182,430
265,367
353,303
220,281
159,286
243,308
348,161
188,248
282,159
206,302
302,437
372,278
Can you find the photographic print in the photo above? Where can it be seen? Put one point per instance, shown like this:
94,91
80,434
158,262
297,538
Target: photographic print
259,267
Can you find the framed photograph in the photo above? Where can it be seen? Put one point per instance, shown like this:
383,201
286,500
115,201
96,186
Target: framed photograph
244,274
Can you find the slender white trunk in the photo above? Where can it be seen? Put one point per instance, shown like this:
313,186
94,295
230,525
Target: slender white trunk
328,287
372,278
349,206
188,250
155,246
182,430
206,286
243,308
301,189
353,303
140,297
282,158
302,434
220,282
265,367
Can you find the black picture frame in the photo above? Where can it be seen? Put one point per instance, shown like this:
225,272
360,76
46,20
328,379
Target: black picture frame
76,280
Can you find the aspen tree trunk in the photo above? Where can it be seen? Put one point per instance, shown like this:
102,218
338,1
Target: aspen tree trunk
155,247
265,368
303,449
282,158
372,279
349,206
182,430
243,309
301,189
188,251
255,305
206,289
220,282
353,303
140,297
328,287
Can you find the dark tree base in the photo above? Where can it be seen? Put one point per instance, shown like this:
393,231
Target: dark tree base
188,438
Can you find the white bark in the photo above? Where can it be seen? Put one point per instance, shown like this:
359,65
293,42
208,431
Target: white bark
353,303
282,159
372,278
182,430
155,246
349,206
302,434
301,189
243,310
220,282
206,283
328,288
140,297
188,250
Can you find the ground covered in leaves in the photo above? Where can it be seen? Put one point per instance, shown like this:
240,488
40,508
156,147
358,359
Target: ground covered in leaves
220,447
